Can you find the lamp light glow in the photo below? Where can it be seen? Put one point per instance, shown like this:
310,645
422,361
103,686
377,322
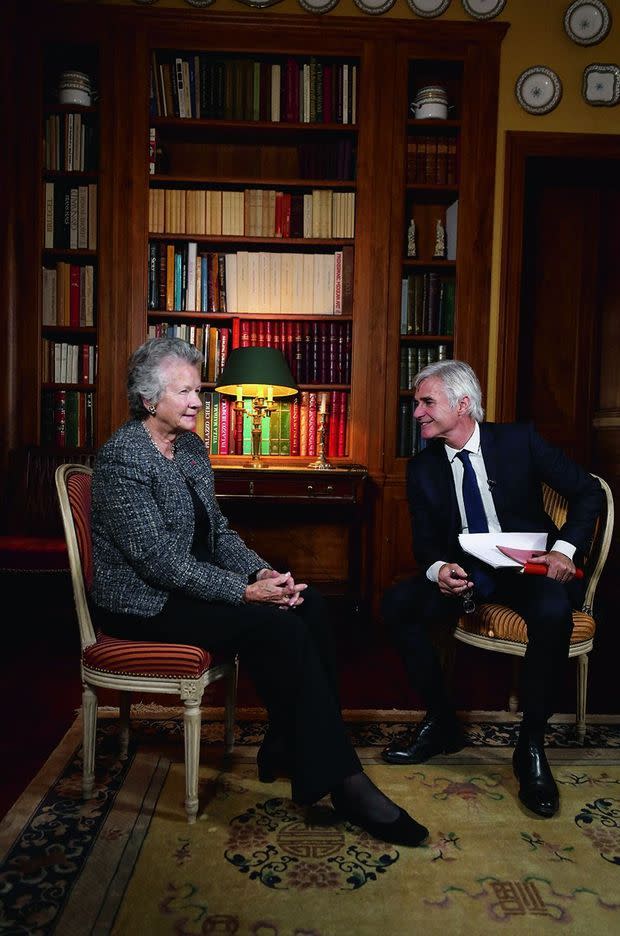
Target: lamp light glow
262,374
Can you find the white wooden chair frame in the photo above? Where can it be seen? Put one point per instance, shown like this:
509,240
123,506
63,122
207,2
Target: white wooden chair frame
189,690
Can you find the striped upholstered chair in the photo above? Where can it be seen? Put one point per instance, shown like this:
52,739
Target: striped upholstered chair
129,665
495,627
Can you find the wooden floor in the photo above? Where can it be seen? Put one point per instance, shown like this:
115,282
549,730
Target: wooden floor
40,687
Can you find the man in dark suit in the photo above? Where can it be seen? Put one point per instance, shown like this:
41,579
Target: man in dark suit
474,477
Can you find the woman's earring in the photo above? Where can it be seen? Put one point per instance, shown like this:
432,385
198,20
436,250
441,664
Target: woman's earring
152,409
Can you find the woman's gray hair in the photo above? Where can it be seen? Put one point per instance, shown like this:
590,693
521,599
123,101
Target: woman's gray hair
145,380
459,380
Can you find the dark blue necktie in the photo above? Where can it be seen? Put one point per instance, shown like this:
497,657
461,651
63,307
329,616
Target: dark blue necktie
480,574
474,508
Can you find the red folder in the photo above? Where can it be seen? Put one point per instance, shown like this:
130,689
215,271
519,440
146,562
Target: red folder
523,557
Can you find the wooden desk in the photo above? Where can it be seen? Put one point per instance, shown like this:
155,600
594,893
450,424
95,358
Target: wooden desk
305,520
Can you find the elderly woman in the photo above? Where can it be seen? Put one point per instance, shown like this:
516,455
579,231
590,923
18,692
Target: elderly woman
167,567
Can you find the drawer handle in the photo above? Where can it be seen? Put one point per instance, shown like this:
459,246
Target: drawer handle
251,489
330,488
310,489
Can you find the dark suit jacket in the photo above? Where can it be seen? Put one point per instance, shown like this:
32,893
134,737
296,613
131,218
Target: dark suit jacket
517,460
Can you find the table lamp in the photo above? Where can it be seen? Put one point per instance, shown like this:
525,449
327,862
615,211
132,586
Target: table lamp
262,374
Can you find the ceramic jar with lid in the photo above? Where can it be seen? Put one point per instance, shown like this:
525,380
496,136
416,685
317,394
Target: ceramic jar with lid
74,87
430,102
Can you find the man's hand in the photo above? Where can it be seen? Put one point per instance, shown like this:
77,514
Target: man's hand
559,566
277,588
453,580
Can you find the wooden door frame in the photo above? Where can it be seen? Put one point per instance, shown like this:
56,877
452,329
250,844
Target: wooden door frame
520,146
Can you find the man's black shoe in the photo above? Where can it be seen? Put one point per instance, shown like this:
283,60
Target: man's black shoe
432,736
537,788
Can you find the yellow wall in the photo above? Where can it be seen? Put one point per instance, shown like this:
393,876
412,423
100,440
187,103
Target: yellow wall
536,37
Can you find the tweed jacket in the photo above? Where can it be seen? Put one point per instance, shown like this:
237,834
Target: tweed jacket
143,527
517,461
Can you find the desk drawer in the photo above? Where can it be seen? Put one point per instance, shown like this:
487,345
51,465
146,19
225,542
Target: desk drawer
289,488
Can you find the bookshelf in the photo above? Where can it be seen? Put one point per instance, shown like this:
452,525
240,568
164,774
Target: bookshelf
439,288
156,172
251,234
429,271
69,271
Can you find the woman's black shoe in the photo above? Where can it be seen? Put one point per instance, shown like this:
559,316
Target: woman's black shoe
401,831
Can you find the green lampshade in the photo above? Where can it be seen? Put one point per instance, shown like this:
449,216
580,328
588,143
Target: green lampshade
254,370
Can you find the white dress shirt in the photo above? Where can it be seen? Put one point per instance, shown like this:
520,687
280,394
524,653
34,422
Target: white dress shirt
485,485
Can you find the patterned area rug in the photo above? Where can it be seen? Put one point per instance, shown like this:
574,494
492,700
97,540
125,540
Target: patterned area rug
256,865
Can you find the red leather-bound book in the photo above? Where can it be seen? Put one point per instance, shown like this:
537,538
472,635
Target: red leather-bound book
244,337
235,338
303,422
312,423
295,415
343,404
224,424
334,424
268,328
238,432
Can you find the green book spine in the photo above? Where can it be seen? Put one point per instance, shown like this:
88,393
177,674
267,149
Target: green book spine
274,431
285,428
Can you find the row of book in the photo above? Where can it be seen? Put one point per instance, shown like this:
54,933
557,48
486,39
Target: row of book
410,440
71,143
413,357
252,212
68,294
67,418
291,429
283,88
70,216
317,352
431,160
67,362
427,304
266,282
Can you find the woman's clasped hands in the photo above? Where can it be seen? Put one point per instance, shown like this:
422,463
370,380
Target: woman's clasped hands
278,588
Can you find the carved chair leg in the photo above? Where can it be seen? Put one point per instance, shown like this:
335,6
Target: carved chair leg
89,722
230,702
124,708
582,691
513,698
191,727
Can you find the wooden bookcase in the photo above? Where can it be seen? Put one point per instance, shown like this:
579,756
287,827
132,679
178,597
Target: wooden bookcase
252,228
441,176
69,275
230,151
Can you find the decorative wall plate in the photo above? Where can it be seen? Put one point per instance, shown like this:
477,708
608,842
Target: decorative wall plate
587,21
428,8
601,84
375,6
538,89
318,6
483,9
200,3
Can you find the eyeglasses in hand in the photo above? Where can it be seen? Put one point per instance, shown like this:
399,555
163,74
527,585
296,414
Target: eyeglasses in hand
469,605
